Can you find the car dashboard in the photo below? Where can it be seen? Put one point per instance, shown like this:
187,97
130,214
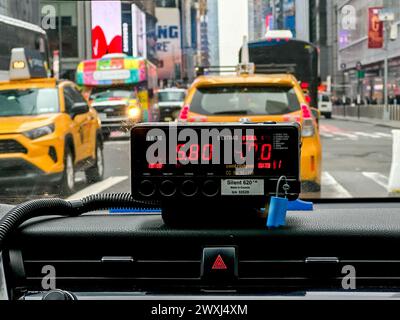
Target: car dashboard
339,250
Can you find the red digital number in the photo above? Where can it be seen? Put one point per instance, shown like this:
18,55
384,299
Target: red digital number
266,151
207,152
194,152
181,154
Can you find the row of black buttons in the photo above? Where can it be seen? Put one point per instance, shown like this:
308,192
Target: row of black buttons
187,188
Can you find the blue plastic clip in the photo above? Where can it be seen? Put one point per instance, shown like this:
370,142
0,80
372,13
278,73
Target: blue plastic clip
278,207
300,205
277,212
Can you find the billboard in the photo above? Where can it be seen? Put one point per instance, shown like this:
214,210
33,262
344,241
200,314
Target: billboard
375,29
139,32
106,28
168,42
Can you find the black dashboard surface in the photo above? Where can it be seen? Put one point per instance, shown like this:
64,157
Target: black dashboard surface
325,231
365,235
341,220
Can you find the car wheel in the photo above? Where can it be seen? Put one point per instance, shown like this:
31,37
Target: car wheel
328,115
106,135
96,173
68,177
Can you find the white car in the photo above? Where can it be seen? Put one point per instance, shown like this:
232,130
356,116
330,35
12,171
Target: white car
170,103
325,105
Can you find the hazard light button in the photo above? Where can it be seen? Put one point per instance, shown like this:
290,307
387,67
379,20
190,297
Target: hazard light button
219,263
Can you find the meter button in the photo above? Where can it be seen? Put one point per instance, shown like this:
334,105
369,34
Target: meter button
167,188
210,188
147,188
189,188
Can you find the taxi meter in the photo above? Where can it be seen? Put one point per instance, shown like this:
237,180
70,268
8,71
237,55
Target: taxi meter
201,164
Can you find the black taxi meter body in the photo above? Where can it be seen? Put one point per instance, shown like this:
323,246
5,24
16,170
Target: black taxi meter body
199,165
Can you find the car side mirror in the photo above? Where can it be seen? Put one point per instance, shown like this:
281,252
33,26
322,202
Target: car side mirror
79,108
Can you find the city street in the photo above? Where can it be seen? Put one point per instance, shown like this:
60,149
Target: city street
356,162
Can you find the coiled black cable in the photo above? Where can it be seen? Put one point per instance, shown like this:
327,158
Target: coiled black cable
50,207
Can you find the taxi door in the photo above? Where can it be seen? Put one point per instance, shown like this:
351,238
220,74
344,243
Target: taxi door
80,125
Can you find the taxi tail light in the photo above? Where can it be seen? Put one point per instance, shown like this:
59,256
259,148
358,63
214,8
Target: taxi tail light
305,85
308,129
292,118
183,115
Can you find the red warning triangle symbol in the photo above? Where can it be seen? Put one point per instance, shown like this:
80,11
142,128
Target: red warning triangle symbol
219,264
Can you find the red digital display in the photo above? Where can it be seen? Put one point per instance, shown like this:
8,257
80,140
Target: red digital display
196,152
204,152
265,153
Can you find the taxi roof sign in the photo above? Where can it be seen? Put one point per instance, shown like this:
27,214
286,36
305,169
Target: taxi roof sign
26,64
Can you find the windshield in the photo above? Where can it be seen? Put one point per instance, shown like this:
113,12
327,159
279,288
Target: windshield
177,61
325,99
245,100
171,96
106,94
28,102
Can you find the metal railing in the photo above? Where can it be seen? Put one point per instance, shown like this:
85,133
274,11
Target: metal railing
379,112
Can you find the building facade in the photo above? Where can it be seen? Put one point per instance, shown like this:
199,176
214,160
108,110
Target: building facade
26,10
213,32
354,55
72,34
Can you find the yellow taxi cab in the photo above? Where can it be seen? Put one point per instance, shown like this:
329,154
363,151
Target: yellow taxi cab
258,98
47,130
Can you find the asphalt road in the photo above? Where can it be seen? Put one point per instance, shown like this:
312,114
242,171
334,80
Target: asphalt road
356,163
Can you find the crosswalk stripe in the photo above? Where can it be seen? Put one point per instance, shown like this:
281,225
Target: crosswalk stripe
382,134
368,135
121,142
326,135
332,187
378,178
98,187
347,135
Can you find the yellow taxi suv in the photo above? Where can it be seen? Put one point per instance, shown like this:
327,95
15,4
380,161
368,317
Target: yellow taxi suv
258,98
47,131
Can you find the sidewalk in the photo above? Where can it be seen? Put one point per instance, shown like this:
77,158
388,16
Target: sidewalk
377,122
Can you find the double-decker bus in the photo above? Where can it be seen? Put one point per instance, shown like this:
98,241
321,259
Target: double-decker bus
280,53
16,33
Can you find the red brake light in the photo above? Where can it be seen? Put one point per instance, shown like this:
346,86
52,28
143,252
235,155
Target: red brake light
306,112
305,85
183,115
307,129
308,99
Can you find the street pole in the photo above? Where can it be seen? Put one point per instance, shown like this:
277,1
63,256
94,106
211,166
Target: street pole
386,67
386,115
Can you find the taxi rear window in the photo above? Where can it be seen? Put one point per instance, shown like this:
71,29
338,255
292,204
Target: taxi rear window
246,100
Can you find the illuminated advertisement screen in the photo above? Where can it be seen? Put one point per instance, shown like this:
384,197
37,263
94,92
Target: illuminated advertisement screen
106,28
